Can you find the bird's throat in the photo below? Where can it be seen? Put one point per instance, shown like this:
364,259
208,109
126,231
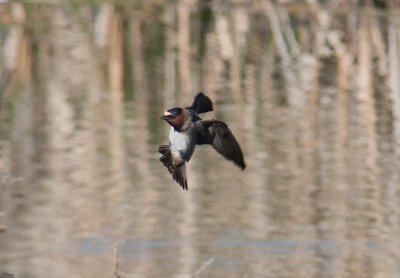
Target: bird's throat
177,122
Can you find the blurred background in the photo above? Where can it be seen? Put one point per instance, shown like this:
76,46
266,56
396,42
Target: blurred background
310,89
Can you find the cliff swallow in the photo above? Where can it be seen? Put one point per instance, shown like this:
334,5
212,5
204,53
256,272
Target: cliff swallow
188,130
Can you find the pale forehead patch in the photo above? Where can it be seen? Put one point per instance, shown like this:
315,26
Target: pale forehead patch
166,113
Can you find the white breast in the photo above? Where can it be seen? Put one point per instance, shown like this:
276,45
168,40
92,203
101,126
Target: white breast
182,143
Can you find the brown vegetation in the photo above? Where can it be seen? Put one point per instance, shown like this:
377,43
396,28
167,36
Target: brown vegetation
312,91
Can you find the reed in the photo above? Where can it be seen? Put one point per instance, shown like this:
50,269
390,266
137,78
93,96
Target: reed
313,90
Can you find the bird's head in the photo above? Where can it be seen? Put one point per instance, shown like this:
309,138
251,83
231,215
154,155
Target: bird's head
174,116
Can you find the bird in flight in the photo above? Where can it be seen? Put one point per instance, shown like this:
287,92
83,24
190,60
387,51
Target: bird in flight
188,130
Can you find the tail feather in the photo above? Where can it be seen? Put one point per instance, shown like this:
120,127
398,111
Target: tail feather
201,104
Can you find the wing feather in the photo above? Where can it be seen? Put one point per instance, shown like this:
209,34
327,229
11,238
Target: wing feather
176,168
179,175
218,134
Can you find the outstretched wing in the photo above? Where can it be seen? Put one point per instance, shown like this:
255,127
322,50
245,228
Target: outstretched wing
217,134
179,175
176,167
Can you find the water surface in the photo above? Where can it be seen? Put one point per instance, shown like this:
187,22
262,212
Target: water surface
84,195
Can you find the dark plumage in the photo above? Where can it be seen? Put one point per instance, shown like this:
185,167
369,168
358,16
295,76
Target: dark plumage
188,130
201,104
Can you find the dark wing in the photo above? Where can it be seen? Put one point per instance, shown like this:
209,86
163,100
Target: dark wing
217,134
201,104
178,172
179,175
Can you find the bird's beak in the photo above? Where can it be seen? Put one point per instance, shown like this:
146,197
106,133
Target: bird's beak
166,116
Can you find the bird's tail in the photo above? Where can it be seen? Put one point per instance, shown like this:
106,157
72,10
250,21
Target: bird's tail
201,104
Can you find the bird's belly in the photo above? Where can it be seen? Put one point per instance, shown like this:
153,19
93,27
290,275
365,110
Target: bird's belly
182,144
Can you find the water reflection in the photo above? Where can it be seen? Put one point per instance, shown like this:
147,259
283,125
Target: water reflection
84,195
234,256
